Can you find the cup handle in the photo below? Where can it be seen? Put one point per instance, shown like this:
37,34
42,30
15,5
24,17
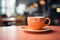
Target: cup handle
48,22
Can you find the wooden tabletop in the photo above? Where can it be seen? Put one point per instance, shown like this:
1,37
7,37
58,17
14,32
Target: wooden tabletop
15,33
51,35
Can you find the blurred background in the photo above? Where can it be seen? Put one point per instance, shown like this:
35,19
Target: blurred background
15,12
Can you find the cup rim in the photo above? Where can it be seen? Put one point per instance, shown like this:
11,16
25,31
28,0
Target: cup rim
36,17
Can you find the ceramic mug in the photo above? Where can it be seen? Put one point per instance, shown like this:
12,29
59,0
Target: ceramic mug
37,22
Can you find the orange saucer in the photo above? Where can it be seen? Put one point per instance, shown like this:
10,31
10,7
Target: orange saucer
25,28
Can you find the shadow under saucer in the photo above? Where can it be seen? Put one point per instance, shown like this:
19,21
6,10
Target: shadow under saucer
46,32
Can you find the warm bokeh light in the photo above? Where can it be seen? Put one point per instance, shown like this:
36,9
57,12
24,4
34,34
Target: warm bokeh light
42,2
58,9
35,5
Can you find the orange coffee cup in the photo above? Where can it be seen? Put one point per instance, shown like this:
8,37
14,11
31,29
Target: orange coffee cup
37,22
